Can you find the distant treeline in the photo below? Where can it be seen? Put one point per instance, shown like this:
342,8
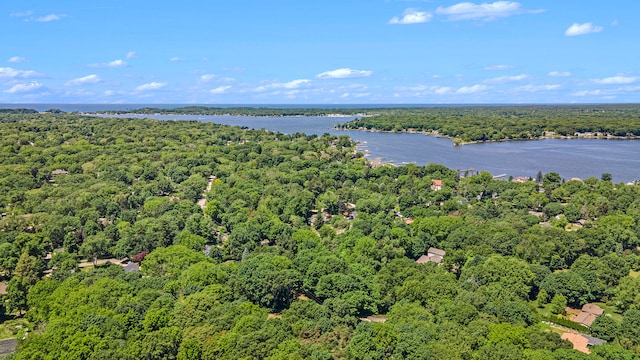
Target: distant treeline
247,111
18,111
494,123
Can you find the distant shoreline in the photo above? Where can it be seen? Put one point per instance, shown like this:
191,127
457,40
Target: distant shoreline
548,135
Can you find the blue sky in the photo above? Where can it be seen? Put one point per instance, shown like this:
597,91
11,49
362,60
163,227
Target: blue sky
320,52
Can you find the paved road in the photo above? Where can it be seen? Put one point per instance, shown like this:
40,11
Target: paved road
8,346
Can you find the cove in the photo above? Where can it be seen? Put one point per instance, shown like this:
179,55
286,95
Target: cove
571,158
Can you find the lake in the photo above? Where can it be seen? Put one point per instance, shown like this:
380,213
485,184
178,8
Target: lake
581,158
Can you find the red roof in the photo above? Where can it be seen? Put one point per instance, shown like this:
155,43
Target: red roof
579,342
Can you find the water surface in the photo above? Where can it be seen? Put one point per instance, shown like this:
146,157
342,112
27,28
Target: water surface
581,158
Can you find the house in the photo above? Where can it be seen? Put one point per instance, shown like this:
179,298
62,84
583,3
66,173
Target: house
374,319
594,341
581,342
585,319
592,309
59,172
587,316
436,185
520,179
131,267
433,255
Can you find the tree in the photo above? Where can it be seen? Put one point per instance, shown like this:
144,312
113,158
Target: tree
551,181
190,350
193,187
512,274
94,246
569,284
160,345
8,258
627,294
191,241
558,304
29,269
170,260
268,280
630,327
373,341
17,295
542,298
604,327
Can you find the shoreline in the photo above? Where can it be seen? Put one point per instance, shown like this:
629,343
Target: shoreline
458,142
330,115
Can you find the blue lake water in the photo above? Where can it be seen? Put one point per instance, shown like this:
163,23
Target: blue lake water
581,158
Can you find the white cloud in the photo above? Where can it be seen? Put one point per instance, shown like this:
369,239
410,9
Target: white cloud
207,77
582,29
411,16
113,64
619,79
117,63
472,89
177,59
354,95
16,59
536,88
608,93
11,73
499,67
89,79
505,79
220,89
559,73
447,90
484,11
587,93
50,17
21,14
288,85
442,90
131,55
344,73
151,86
24,88
439,90
295,84
115,93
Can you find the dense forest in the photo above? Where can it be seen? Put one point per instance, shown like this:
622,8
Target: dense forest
496,123
300,249
246,111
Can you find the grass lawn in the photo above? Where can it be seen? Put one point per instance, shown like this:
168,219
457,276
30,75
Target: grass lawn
634,274
544,311
9,326
610,311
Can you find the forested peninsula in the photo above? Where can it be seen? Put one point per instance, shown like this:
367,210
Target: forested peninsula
245,111
499,123
146,239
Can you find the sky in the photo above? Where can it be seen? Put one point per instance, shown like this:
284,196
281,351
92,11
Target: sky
319,52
